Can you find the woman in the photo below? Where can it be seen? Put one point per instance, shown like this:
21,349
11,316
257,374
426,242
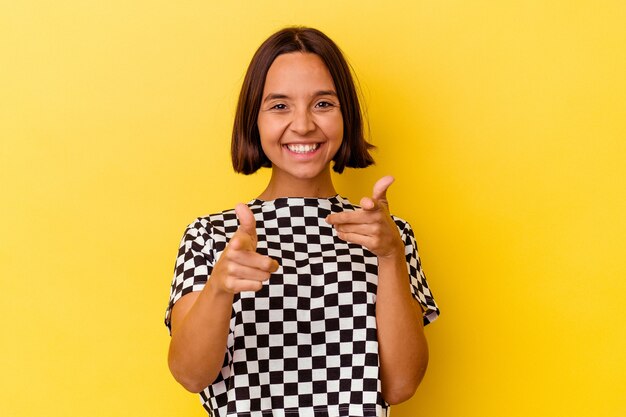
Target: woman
300,303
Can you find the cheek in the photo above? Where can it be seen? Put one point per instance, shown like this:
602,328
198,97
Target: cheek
270,129
261,124
334,130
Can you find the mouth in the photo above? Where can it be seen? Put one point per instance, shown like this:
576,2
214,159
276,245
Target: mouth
302,148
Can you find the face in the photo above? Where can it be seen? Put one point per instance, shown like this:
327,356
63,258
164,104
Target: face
300,121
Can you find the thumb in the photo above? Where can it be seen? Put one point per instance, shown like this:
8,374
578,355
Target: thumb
247,223
380,190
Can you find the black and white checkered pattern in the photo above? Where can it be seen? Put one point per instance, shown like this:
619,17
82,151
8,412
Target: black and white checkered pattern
305,344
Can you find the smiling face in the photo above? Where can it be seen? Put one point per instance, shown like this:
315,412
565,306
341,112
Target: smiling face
300,121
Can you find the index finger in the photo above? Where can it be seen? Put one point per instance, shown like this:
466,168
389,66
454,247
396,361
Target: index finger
349,217
255,260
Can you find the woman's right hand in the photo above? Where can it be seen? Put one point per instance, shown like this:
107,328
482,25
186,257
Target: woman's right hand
201,319
240,267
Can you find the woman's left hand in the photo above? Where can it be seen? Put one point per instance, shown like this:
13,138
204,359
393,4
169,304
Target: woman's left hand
372,225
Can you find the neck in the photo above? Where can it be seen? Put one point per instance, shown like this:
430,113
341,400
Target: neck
282,186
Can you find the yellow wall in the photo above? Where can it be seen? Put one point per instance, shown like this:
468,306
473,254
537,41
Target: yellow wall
504,123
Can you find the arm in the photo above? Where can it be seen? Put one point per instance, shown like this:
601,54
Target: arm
200,320
402,345
403,351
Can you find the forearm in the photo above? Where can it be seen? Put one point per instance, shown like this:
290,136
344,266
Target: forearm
198,343
403,349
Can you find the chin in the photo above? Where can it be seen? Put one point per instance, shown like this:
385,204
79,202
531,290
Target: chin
306,174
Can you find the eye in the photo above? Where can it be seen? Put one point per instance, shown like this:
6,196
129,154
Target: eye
324,104
279,106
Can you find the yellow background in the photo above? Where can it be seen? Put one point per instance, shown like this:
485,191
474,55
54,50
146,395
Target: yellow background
504,123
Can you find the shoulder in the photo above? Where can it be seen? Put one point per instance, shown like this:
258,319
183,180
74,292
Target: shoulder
222,223
340,203
208,222
403,225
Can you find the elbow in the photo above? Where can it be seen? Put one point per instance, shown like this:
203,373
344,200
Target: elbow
400,394
190,380
195,389
402,387
191,385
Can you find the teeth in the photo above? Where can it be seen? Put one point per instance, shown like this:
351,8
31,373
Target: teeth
300,148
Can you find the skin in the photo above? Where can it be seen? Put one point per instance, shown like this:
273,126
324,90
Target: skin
402,344
300,107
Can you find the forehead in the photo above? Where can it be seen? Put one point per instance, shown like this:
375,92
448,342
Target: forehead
298,71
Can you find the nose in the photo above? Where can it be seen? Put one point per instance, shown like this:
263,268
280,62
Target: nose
302,122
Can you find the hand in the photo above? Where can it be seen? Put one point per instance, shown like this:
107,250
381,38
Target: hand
241,268
372,225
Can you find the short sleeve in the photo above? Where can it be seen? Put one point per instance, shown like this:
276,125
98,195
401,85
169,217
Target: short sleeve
419,286
194,263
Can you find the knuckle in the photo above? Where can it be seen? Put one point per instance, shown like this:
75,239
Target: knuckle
229,285
230,268
269,264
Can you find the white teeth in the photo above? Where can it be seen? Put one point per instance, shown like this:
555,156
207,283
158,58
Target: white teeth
300,148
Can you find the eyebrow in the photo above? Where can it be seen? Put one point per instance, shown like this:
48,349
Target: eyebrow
278,96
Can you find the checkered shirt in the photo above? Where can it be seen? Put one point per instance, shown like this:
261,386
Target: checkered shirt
305,345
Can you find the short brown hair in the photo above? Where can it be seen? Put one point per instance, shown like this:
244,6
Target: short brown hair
246,152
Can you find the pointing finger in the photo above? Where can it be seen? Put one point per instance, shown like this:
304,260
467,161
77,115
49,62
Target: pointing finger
369,204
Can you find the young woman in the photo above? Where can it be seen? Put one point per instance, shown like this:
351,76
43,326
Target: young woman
300,303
